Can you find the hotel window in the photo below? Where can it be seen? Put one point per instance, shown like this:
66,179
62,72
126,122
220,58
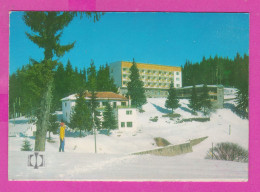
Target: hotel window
124,69
177,79
123,103
122,124
129,112
129,124
177,73
65,104
178,85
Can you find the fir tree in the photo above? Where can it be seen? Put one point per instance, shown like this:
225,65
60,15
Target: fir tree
81,115
46,33
109,121
204,102
26,146
47,29
136,87
172,101
54,125
194,105
92,86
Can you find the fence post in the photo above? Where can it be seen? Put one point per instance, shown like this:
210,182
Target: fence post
212,150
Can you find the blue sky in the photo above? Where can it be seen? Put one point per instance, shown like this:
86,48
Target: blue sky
157,38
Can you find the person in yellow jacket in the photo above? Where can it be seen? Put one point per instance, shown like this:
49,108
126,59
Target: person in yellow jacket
62,136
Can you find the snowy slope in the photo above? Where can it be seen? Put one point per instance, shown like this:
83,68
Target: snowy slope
114,150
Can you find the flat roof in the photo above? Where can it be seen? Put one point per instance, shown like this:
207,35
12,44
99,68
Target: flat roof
151,66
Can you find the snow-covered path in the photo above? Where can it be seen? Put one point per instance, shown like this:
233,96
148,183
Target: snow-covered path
103,167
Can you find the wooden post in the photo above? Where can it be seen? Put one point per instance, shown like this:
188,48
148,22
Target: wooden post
14,113
94,132
212,150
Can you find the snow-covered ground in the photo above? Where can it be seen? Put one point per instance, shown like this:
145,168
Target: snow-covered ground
114,161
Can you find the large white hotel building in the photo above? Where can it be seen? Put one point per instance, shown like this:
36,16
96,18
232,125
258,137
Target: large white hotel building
156,78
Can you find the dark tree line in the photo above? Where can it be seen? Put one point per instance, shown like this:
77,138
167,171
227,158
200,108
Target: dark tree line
218,70
25,87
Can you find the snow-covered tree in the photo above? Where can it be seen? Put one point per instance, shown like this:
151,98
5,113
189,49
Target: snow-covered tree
136,87
172,101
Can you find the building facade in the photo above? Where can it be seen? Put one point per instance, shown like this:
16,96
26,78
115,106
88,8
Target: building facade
216,94
115,100
156,78
127,119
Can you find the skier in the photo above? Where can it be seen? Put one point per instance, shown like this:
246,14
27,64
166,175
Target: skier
62,136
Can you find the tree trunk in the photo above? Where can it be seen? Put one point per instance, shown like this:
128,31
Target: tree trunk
43,118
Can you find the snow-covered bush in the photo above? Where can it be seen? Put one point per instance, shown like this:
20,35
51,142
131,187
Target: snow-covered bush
26,146
229,152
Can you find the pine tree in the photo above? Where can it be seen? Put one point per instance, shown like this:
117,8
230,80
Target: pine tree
136,87
194,105
204,101
242,84
46,33
81,115
54,125
172,101
47,28
109,121
104,81
26,146
92,86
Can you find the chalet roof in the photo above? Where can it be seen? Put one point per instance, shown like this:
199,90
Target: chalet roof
100,96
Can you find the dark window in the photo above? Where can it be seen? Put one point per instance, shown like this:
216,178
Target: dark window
129,112
129,124
123,103
122,124
114,104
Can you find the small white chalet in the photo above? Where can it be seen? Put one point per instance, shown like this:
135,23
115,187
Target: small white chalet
115,100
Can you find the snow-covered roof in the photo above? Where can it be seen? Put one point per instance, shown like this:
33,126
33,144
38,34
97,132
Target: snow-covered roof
99,95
